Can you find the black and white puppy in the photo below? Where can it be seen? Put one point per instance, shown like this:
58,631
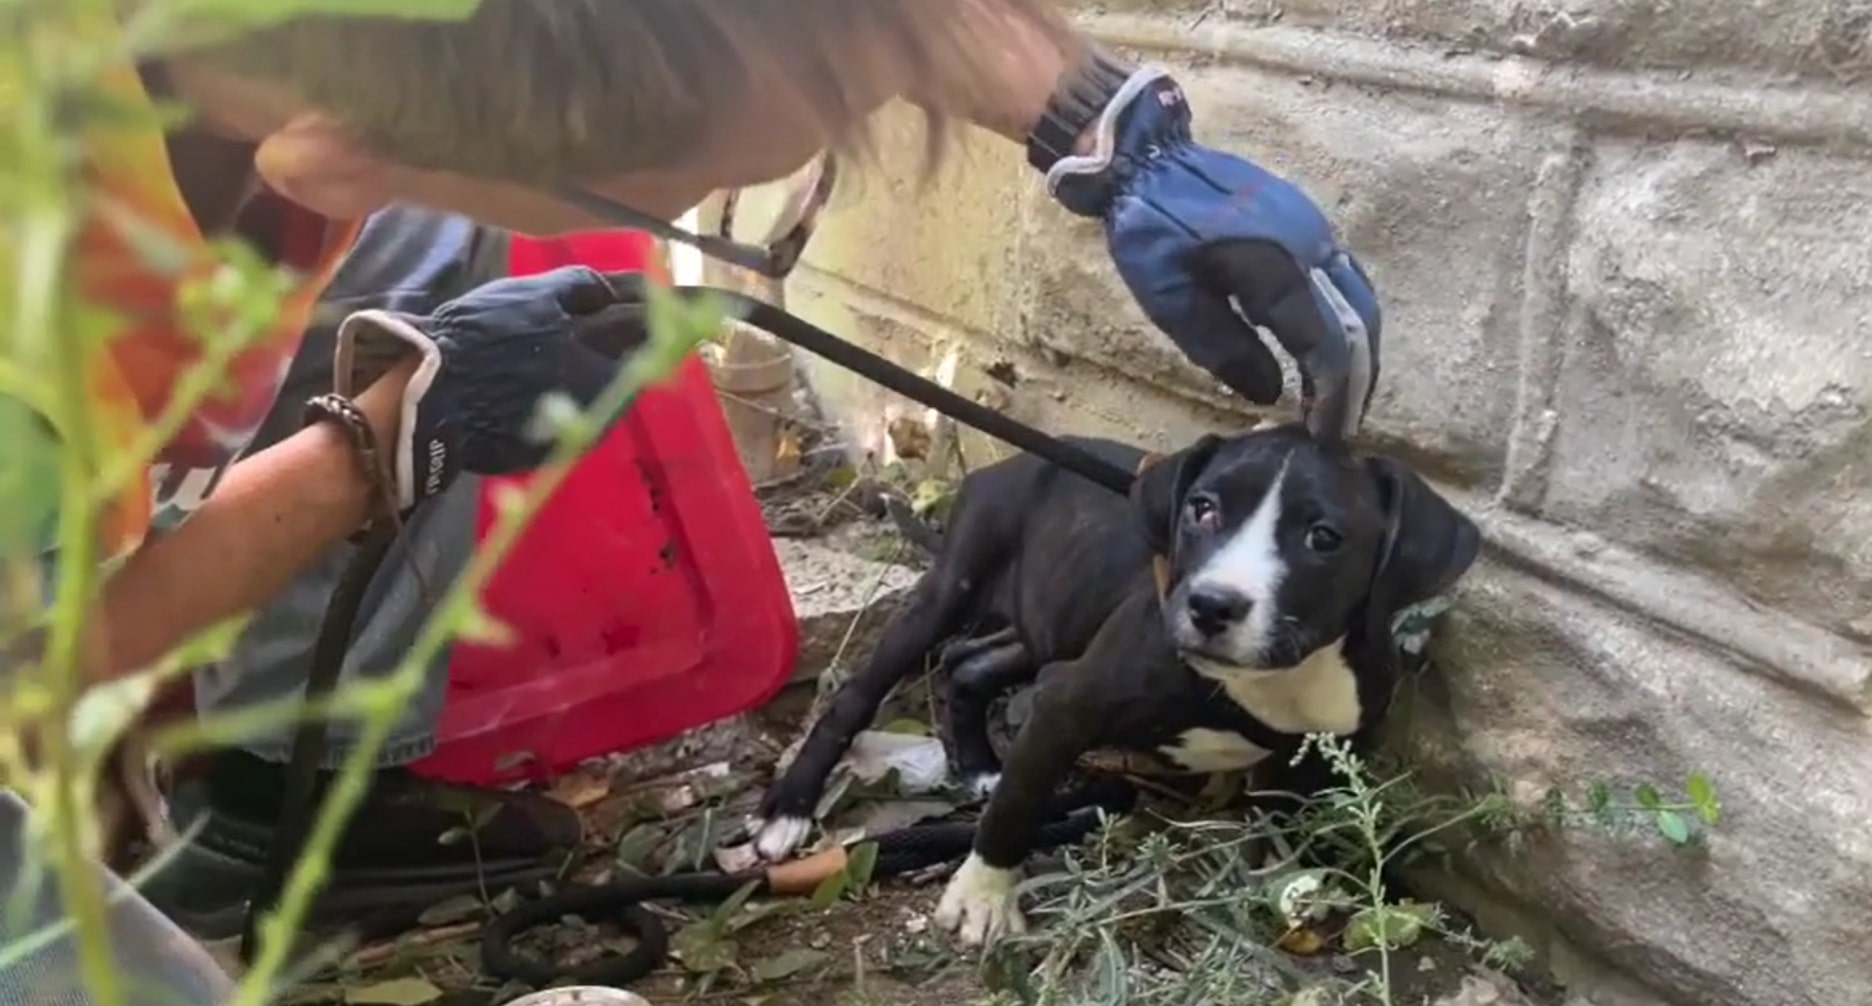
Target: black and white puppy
1254,608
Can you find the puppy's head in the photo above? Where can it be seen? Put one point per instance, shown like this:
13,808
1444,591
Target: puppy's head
1278,545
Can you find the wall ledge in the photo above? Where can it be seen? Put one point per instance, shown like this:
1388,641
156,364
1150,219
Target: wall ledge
1736,104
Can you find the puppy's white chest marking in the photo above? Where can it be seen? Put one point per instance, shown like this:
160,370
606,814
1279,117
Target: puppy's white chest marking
1320,695
1201,749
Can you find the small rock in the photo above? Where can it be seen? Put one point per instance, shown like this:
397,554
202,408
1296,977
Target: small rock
1483,988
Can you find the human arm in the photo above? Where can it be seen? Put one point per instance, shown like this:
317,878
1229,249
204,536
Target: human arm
272,514
453,390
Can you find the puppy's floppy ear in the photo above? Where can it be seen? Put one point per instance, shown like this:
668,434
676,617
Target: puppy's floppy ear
1157,492
1428,544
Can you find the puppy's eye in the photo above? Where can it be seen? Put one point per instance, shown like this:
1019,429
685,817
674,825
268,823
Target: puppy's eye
1203,512
1321,538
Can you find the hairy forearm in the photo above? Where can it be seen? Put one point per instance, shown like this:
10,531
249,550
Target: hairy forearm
271,515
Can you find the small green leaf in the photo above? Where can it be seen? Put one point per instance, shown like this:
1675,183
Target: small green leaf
635,846
701,949
1598,797
913,728
1703,796
1112,968
1391,926
860,865
787,964
834,796
829,891
1673,827
728,908
1647,796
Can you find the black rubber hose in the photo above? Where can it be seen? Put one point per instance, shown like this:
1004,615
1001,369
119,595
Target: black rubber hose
622,901
298,797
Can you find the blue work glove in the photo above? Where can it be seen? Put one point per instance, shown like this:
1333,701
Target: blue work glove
487,359
1193,229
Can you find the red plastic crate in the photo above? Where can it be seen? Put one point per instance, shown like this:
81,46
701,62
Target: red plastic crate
645,595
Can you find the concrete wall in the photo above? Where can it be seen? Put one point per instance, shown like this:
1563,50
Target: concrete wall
1625,254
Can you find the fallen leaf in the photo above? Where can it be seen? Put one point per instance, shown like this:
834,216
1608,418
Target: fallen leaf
456,909
830,890
906,725
1302,941
788,964
513,760
635,846
667,800
701,950
1394,926
909,439
874,819
860,863
579,789
395,992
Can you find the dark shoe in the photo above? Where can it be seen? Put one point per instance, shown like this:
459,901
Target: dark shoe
412,843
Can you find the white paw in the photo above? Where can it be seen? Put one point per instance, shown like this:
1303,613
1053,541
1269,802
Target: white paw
980,786
775,840
978,905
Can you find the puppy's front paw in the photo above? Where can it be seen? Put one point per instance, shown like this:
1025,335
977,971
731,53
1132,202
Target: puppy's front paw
978,905
776,839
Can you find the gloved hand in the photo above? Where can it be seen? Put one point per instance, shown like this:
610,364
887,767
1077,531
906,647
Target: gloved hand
487,359
1191,229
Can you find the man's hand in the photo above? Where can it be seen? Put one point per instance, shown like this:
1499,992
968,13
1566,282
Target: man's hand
486,360
1198,235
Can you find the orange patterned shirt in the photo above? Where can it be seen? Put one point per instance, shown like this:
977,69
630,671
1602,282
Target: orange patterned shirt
134,375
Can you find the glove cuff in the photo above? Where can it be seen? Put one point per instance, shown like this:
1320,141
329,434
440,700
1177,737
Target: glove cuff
1147,116
422,456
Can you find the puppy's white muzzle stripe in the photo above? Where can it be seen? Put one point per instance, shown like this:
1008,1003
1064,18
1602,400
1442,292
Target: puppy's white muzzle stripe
1249,563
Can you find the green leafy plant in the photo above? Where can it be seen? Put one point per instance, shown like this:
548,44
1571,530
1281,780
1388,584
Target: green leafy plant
60,472
1681,822
1235,912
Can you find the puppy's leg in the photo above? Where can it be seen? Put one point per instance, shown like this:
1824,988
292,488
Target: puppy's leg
1067,721
969,647
973,685
929,614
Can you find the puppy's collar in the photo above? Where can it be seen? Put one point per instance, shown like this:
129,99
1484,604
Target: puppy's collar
1160,565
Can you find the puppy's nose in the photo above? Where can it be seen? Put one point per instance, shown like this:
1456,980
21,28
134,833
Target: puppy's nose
1213,609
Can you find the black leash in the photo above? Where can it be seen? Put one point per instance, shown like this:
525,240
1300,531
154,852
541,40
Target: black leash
799,332
899,852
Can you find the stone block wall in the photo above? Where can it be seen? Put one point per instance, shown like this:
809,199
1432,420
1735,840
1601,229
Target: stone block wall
1625,248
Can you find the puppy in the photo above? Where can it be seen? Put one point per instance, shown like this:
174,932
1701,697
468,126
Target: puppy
1241,599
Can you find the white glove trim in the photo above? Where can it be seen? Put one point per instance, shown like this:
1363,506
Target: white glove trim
1104,132
403,328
